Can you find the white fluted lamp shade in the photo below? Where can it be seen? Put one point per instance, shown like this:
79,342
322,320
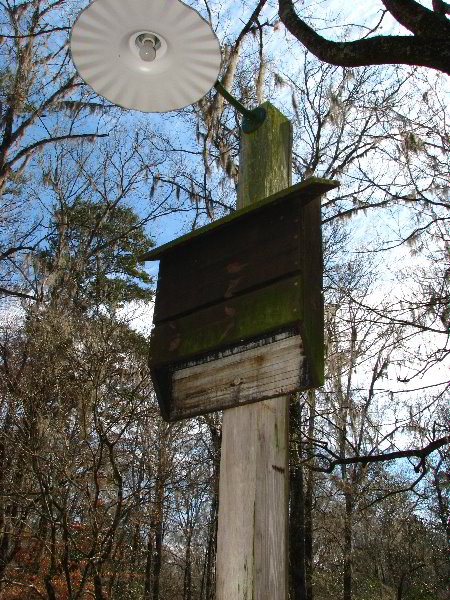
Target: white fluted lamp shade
148,55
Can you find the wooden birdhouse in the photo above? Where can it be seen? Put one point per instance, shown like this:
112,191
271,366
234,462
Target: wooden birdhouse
239,306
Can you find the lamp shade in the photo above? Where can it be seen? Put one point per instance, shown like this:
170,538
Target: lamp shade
107,49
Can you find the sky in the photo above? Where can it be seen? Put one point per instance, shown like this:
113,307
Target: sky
278,43
228,22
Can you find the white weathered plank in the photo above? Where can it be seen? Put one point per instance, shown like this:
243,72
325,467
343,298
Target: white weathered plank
252,375
234,354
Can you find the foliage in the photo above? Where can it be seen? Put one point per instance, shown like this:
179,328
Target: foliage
91,255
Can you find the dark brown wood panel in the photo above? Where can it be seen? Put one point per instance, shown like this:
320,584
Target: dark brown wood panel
246,317
312,270
242,256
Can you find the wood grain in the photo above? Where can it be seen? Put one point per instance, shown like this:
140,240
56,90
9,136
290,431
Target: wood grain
253,511
252,557
250,375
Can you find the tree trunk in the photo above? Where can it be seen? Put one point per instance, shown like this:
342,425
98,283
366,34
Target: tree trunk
49,588
98,587
38,549
157,519
157,558
400,586
348,531
52,567
211,554
207,589
148,567
297,580
187,584
297,536
65,556
10,536
309,490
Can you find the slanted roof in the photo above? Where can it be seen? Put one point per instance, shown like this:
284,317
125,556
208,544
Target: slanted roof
305,192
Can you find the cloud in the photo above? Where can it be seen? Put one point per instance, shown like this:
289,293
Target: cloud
138,315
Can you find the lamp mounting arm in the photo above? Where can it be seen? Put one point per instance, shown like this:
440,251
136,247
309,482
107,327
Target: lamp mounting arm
252,118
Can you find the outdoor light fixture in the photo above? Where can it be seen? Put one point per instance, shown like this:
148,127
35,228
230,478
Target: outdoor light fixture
150,55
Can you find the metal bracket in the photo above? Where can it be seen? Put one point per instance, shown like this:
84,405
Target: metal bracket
252,118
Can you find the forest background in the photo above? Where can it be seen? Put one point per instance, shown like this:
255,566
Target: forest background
99,498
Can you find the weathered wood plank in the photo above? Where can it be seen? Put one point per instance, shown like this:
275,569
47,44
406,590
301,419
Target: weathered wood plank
252,559
272,308
252,536
253,375
275,344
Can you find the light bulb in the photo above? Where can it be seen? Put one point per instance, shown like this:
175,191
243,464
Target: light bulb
147,51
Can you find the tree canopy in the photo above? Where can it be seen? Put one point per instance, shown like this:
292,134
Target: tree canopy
99,498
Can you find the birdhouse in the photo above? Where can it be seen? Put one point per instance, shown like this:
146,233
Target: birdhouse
239,306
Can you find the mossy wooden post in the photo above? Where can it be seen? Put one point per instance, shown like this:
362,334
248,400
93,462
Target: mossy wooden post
252,560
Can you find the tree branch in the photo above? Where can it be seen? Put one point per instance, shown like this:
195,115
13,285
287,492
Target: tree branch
418,50
7,292
14,250
36,34
419,20
53,140
421,453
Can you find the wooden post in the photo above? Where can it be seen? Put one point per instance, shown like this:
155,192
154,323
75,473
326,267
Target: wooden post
252,543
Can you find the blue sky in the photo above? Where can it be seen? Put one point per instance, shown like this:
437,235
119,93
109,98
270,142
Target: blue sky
284,55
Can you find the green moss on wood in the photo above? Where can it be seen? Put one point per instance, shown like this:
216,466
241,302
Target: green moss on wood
265,158
273,307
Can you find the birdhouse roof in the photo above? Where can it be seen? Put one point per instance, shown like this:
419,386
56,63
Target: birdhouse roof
303,192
